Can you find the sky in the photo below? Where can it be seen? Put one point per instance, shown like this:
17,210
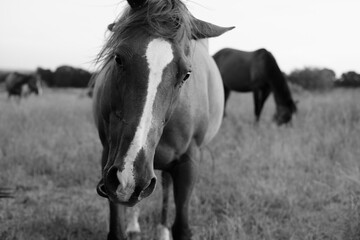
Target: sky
306,33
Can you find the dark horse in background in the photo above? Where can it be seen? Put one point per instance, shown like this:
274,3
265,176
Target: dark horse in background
157,100
259,73
22,84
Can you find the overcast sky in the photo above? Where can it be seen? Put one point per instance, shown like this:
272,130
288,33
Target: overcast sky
315,33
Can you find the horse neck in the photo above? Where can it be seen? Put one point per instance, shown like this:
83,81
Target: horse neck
204,42
203,90
280,88
282,94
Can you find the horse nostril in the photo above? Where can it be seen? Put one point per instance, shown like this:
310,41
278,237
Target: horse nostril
100,188
149,189
112,181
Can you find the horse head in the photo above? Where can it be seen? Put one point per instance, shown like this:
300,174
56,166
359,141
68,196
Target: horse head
284,113
146,62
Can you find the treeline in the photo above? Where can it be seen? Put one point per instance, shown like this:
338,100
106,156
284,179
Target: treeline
308,78
65,76
349,79
322,79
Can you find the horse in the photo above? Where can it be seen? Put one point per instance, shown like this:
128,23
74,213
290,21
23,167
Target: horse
21,84
256,72
157,101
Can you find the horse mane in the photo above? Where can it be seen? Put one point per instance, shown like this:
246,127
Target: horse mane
168,19
282,94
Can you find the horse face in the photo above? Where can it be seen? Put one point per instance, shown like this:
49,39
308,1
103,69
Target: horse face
283,115
143,80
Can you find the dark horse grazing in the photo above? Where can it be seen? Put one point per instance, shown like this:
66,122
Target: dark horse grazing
157,100
19,84
259,73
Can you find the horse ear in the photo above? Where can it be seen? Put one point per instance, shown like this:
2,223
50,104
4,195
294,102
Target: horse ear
202,29
111,27
136,4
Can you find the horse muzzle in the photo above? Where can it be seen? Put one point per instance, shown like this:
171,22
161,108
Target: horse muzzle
121,189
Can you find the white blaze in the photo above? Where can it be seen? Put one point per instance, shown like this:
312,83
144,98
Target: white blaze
163,232
158,55
134,226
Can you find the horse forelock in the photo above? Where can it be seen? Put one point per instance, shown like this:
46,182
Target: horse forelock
167,19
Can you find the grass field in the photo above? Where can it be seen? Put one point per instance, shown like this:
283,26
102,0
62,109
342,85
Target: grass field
256,181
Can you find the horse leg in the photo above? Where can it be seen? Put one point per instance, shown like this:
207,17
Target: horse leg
117,222
162,230
260,97
184,176
133,227
265,92
256,95
226,94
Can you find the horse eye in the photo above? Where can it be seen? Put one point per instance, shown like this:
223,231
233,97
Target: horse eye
118,60
187,75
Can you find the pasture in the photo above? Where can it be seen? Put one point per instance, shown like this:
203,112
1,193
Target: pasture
255,181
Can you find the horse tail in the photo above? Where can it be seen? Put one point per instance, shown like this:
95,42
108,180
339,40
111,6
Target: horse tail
278,82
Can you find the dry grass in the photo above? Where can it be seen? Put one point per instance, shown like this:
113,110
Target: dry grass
256,182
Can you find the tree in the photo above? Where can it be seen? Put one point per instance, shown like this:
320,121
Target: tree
313,78
349,79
